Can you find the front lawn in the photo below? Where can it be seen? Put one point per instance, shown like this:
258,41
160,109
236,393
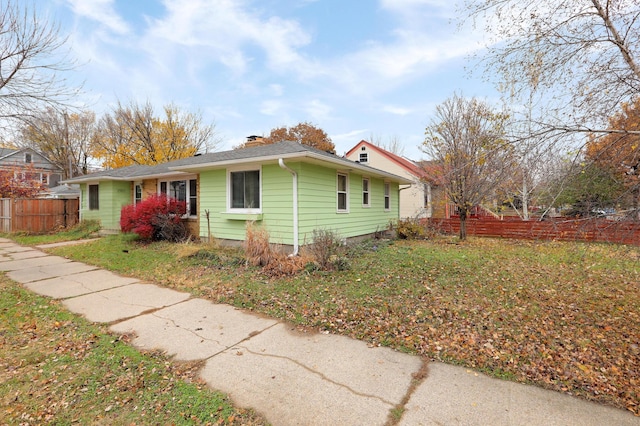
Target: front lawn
564,316
57,368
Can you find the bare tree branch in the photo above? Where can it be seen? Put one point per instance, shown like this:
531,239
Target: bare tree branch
31,61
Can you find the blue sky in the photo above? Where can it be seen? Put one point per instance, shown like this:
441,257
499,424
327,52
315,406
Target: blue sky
356,69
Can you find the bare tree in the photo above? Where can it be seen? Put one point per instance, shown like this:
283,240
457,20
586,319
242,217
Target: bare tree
31,59
585,53
64,138
466,137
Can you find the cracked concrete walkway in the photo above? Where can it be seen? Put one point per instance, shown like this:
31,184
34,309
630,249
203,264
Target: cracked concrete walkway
294,378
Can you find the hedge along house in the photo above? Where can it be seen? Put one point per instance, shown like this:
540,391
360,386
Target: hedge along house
288,188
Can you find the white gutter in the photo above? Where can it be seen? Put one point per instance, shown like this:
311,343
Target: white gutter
295,205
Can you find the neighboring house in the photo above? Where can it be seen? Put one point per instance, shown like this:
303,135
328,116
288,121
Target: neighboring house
421,198
28,161
289,188
62,192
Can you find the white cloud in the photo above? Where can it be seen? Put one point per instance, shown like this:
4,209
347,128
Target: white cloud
318,111
272,107
404,5
101,11
276,89
397,110
226,31
350,135
383,66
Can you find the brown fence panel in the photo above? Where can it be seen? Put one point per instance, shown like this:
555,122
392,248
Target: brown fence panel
38,215
5,215
601,230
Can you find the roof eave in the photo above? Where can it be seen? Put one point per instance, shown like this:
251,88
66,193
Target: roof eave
338,163
90,178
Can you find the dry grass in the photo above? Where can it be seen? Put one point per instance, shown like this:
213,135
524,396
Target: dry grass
274,262
564,316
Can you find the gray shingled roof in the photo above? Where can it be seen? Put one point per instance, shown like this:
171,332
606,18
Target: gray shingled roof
288,149
7,151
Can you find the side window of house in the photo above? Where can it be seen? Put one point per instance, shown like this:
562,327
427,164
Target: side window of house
342,192
365,192
54,179
364,157
193,197
93,197
427,195
27,157
137,197
244,190
387,196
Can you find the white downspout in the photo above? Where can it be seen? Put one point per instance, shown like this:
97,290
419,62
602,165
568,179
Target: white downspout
295,205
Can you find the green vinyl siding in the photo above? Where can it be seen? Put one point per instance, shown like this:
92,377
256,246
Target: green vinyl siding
319,209
213,199
112,196
317,204
277,201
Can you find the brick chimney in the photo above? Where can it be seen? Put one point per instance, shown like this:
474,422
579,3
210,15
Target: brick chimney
254,140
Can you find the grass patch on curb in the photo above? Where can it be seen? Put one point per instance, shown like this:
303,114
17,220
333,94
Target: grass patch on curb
563,316
55,367
82,230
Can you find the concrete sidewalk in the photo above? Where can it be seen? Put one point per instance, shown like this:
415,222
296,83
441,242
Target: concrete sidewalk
294,378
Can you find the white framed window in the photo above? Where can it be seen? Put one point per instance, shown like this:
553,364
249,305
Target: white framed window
182,190
193,197
137,193
94,197
366,200
387,196
244,191
364,157
343,192
27,157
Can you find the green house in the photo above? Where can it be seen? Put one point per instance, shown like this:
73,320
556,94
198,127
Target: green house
288,188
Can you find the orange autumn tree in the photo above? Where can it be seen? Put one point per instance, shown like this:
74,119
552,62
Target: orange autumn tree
619,151
133,134
303,133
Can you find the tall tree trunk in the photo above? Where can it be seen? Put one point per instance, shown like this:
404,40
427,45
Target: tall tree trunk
525,200
463,224
636,202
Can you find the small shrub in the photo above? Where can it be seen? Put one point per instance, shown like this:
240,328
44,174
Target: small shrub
155,218
325,248
311,266
411,229
340,263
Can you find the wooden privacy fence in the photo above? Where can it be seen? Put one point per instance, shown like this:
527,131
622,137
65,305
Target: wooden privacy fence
37,215
601,230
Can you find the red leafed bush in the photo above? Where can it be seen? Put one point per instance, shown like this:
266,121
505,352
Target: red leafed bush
155,218
20,184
